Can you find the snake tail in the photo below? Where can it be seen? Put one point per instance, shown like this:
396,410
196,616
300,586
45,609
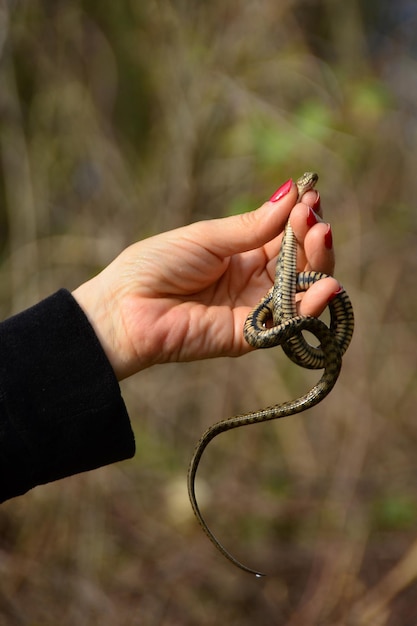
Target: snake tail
332,365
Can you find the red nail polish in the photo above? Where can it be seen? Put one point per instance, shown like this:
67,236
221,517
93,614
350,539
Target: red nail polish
281,191
316,203
311,217
335,293
328,238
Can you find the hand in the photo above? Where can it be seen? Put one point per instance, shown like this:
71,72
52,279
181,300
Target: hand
184,295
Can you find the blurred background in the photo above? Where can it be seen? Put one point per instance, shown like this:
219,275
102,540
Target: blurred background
119,120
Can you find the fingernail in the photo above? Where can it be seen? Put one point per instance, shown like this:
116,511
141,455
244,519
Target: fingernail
328,238
281,191
316,204
335,293
312,218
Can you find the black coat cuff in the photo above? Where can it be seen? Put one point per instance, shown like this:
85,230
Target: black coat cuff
61,411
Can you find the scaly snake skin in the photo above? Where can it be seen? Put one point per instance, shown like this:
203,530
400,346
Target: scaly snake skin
279,306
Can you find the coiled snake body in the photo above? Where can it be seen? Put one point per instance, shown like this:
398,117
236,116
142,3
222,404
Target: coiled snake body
279,306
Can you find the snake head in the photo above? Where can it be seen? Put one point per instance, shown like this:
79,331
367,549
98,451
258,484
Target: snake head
306,182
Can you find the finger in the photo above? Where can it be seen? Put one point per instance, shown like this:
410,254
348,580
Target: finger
312,199
317,297
318,249
315,238
240,233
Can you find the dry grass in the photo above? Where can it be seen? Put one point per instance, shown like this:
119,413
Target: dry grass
118,120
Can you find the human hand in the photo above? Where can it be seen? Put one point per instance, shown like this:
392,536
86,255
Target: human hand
184,295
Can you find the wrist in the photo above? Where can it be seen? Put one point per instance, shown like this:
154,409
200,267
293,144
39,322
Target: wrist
99,306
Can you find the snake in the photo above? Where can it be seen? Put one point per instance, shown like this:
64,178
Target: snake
274,321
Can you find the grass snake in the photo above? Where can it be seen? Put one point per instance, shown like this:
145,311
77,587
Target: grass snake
278,307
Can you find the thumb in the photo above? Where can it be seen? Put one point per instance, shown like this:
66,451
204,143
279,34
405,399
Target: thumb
247,231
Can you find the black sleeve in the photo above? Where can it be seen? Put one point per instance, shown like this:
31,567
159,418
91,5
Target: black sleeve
61,411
